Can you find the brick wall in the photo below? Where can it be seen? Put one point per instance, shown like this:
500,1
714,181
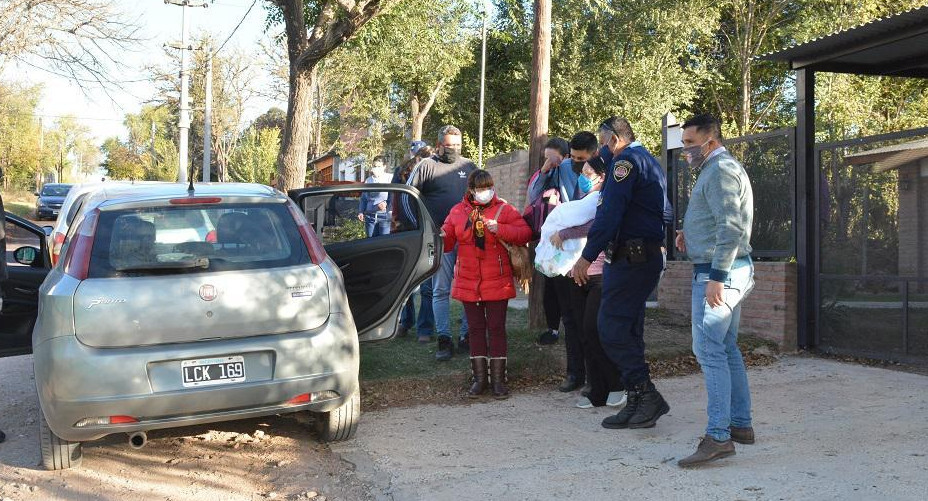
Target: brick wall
769,312
510,174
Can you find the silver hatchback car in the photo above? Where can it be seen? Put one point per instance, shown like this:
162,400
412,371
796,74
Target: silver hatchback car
171,307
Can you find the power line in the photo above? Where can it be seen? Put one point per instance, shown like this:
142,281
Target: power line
253,3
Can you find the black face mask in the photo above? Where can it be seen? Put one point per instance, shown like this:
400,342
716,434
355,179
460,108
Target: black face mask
450,155
577,166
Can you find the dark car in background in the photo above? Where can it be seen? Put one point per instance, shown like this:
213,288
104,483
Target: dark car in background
48,205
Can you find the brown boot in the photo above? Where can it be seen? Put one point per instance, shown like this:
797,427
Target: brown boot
742,435
709,450
498,378
478,366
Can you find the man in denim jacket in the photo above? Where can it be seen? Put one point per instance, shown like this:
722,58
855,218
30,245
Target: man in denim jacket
716,237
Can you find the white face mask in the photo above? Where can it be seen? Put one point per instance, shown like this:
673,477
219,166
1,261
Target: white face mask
483,197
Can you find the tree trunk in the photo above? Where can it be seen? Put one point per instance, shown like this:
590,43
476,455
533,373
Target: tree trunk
538,119
294,145
418,118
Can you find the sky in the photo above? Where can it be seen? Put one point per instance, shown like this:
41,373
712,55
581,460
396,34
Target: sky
160,23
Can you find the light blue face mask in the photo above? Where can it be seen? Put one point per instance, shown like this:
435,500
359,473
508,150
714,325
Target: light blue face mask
585,184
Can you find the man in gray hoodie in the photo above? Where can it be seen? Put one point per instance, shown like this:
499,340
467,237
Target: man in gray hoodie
716,237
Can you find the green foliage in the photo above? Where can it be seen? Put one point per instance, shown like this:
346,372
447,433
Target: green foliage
380,79
254,160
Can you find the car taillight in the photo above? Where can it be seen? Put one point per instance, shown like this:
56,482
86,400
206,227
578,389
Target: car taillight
313,245
195,200
212,237
57,241
77,259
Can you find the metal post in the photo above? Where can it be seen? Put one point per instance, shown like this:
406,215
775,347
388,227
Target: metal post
208,116
483,77
183,123
806,217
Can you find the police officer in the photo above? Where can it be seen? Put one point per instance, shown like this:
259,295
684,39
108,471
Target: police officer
629,227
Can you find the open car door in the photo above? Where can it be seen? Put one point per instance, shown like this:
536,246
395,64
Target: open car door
27,263
383,255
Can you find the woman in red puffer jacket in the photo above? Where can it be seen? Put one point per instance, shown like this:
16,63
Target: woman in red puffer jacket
483,278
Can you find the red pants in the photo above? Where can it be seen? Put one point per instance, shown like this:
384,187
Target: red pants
486,331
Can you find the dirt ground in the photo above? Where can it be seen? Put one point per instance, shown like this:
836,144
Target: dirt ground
257,459
826,430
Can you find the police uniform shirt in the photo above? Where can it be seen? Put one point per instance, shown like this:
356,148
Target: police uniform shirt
633,203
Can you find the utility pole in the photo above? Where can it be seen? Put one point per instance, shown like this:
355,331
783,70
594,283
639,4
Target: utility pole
208,116
483,78
184,122
538,122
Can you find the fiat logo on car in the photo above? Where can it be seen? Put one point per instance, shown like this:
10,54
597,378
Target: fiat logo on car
208,292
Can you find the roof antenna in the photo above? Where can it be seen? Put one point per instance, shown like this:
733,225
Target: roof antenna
190,186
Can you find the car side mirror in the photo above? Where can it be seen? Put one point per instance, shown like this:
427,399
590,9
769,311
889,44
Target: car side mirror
48,230
37,193
26,255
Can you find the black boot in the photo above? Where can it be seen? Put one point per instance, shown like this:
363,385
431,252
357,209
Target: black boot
620,420
498,378
478,366
651,406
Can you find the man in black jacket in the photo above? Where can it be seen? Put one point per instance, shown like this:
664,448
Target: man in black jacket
442,181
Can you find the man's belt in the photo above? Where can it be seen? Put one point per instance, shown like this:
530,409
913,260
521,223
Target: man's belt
636,250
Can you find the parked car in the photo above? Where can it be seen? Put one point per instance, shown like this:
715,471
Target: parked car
72,206
245,315
49,200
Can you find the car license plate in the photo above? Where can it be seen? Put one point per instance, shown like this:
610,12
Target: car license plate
212,371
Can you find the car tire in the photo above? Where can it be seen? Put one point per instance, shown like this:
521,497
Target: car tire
57,454
340,423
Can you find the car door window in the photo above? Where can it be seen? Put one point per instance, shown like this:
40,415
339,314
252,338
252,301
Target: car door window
17,237
382,265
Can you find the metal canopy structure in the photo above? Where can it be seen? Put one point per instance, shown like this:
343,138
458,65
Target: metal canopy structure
891,46
895,46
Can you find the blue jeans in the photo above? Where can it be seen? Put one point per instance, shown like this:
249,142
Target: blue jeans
425,323
441,296
715,344
377,223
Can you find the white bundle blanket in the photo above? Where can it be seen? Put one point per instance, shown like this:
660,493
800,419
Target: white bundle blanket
550,260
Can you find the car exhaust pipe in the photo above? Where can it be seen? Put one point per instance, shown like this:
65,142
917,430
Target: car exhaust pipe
138,439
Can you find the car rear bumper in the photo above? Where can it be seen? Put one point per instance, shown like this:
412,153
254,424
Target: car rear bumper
76,382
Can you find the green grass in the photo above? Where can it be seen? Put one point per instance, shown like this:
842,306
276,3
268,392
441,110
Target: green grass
21,209
667,337
406,358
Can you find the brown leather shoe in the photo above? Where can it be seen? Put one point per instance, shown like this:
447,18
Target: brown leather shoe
478,366
742,435
709,450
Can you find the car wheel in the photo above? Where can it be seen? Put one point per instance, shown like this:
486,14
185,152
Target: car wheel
57,454
341,423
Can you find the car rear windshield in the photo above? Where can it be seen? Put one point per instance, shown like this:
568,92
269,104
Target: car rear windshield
60,190
195,239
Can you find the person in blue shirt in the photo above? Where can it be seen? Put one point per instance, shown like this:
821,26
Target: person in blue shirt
629,227
375,208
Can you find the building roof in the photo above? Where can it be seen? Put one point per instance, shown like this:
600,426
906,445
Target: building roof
890,157
895,45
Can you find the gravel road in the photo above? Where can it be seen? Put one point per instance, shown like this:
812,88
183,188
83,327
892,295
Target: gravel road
826,430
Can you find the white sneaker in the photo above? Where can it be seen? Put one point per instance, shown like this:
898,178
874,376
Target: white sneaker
584,403
615,399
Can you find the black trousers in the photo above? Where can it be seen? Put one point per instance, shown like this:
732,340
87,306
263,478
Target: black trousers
602,375
576,366
626,288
